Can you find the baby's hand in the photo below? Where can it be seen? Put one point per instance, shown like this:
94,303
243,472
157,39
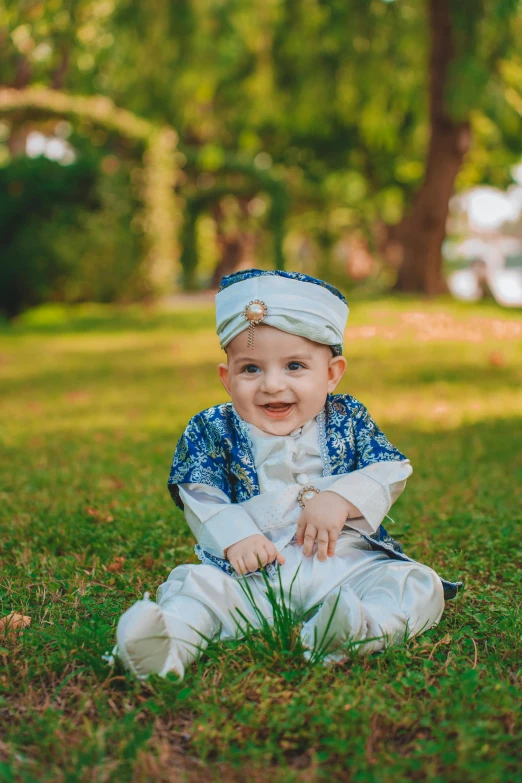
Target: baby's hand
323,519
243,556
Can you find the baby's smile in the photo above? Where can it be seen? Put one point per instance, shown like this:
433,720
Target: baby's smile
278,410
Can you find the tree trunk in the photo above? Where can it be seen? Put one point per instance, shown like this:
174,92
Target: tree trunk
236,246
424,228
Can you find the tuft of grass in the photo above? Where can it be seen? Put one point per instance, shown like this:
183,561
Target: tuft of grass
275,641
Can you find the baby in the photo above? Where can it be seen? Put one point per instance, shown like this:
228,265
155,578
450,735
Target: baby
288,476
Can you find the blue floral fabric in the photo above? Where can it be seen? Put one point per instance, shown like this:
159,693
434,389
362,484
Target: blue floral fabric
215,450
247,274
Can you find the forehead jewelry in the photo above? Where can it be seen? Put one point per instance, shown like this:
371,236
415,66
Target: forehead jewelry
254,313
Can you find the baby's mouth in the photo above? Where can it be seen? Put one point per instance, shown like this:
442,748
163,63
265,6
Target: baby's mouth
278,409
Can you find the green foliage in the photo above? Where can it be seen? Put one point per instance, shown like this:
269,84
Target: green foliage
336,92
102,251
240,179
484,33
59,226
39,198
94,399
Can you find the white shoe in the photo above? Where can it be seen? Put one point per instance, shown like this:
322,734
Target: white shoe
143,642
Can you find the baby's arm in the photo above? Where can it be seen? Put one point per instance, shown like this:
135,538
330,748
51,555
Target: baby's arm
221,527
373,490
369,491
225,529
360,500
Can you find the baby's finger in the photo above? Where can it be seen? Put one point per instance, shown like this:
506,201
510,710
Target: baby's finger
250,562
239,566
273,554
322,545
264,556
309,540
334,535
299,533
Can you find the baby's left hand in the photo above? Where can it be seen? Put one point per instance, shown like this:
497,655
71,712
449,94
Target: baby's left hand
322,519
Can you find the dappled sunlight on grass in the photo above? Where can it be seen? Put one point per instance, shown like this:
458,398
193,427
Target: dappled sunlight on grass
93,402
434,369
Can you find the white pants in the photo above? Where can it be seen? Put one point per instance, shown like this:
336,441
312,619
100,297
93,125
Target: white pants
375,598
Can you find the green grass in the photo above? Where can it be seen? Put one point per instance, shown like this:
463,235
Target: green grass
93,401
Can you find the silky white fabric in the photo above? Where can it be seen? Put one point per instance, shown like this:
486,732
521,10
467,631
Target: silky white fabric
379,601
366,598
404,596
305,309
285,463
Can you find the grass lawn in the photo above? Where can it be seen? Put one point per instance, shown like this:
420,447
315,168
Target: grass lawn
93,402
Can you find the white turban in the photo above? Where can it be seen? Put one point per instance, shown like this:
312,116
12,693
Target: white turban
307,309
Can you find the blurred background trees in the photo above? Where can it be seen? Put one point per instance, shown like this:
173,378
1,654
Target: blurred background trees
324,136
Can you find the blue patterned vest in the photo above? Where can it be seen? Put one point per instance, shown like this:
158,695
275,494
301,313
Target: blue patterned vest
215,449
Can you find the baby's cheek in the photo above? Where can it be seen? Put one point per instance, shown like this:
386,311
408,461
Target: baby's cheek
246,388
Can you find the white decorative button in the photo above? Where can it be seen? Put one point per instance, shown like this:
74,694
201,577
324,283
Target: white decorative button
302,478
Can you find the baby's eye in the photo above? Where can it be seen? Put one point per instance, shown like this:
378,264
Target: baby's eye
295,366
250,368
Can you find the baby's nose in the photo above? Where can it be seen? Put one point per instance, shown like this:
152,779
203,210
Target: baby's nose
273,382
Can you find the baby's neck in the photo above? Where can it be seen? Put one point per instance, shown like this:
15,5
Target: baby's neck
293,432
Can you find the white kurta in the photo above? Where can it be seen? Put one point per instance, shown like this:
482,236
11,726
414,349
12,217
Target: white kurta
284,464
379,601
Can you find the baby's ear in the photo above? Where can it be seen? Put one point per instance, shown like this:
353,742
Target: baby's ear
336,370
223,377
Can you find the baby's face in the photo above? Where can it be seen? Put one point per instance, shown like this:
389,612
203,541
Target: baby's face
282,382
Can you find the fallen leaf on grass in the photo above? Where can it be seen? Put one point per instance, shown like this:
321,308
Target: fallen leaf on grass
99,515
496,359
78,396
14,622
111,482
117,565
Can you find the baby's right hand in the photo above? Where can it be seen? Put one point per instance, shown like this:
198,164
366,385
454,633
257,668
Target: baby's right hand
243,556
